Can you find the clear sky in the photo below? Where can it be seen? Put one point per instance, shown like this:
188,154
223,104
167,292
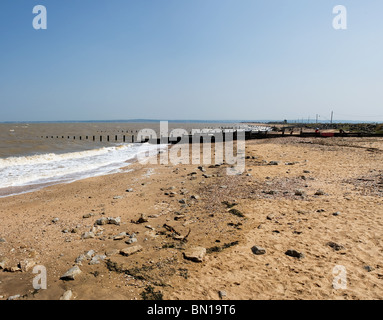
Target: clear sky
191,59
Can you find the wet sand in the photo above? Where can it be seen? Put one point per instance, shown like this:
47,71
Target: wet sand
321,198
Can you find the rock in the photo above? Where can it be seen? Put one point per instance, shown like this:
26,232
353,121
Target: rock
3,262
223,187
195,254
88,235
142,219
119,236
54,220
335,246
67,295
2,240
80,259
273,163
258,250
195,196
368,268
117,197
131,250
336,213
71,273
97,259
88,215
111,252
319,193
206,175
115,221
17,296
89,254
129,190
26,265
131,240
179,217
300,192
222,294
101,221
294,254
270,216
182,201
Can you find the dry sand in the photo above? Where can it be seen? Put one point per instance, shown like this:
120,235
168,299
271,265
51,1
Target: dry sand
281,211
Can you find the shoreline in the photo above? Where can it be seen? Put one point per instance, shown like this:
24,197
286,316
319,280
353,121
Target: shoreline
276,209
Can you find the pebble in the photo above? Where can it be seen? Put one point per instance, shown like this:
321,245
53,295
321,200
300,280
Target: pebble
294,254
2,240
71,273
222,294
129,190
55,220
368,268
336,213
67,295
88,235
273,163
195,254
258,250
131,250
97,259
335,246
319,193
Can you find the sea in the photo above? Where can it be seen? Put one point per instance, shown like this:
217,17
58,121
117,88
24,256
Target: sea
40,154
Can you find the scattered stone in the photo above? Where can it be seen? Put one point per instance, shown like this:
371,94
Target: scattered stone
195,196
179,217
368,268
222,294
319,193
258,250
2,240
88,215
206,175
131,250
300,192
182,201
273,163
80,259
129,190
67,295
71,273
336,213
131,240
237,213
101,221
294,254
270,216
335,246
97,259
55,220
89,254
306,171
142,219
3,262
17,296
111,252
117,197
88,235
26,265
195,254
115,221
223,187
119,236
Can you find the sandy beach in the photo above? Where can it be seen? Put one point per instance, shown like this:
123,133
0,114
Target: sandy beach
322,199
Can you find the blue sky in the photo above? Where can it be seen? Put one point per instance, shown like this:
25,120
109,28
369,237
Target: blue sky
191,59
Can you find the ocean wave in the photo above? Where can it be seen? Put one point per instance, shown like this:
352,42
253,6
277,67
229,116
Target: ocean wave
54,168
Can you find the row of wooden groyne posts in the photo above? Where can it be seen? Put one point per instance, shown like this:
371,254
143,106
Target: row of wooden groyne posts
217,136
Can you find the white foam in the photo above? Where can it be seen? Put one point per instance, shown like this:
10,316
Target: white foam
55,168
